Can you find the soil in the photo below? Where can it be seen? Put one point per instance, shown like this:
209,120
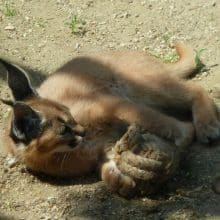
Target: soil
38,35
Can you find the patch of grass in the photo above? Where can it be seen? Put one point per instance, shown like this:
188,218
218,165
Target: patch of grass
77,26
166,38
171,58
9,11
198,61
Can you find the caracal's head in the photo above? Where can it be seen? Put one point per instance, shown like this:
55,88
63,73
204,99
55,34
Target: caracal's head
43,133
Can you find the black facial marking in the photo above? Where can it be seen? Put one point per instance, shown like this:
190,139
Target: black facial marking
26,124
66,130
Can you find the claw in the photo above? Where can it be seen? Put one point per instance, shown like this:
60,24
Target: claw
208,133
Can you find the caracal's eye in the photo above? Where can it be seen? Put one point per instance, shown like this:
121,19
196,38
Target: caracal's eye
65,130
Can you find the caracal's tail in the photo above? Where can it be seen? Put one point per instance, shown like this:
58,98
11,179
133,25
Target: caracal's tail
186,65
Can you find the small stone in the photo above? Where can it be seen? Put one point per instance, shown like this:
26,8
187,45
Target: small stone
114,16
10,28
205,74
89,3
77,46
127,15
136,40
102,23
143,3
51,200
11,162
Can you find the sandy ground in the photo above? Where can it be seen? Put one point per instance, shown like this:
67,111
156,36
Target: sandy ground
39,36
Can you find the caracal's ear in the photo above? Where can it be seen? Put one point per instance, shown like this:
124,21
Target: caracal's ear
18,82
26,123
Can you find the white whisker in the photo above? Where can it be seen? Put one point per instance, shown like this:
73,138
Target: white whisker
63,160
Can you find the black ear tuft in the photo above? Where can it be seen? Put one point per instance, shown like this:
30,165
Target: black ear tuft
26,124
19,82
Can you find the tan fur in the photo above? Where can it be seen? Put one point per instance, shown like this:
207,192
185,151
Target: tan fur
125,87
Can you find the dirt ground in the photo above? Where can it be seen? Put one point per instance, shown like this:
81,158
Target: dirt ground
41,35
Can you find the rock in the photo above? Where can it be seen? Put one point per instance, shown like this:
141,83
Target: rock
77,46
51,200
26,18
10,28
10,162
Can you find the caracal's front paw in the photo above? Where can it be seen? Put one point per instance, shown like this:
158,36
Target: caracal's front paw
207,129
206,121
186,134
115,180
